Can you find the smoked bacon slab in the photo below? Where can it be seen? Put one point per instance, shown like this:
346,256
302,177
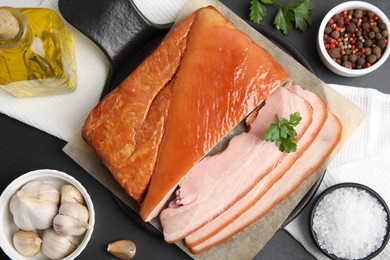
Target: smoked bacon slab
198,84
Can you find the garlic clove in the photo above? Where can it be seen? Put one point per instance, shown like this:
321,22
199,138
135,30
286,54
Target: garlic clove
55,246
34,206
69,226
69,193
27,243
122,249
72,219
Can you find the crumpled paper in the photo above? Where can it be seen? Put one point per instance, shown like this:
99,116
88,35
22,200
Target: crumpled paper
363,159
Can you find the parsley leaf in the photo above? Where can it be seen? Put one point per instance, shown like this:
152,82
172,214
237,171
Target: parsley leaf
302,14
296,13
283,133
257,11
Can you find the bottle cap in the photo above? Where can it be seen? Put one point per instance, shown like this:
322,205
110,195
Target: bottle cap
9,26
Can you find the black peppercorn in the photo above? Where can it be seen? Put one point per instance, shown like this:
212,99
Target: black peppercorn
351,27
334,53
371,35
360,61
358,13
352,58
370,14
385,33
368,43
371,59
376,51
368,51
382,26
365,26
381,43
335,34
347,64
359,45
328,30
340,23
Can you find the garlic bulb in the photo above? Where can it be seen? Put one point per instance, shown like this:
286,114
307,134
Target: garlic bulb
69,193
122,249
35,205
72,219
27,243
55,246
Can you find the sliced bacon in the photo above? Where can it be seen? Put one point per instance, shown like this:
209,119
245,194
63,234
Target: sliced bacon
319,117
305,166
217,182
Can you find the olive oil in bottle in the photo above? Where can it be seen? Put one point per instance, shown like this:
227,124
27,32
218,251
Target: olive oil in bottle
36,53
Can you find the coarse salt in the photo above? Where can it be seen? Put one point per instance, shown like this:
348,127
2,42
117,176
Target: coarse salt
349,223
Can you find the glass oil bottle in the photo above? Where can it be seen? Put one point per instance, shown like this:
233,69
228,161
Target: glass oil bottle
36,53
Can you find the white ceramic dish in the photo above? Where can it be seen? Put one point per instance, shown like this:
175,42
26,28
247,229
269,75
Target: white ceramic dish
327,60
57,179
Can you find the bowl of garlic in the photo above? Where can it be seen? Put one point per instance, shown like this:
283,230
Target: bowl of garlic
45,214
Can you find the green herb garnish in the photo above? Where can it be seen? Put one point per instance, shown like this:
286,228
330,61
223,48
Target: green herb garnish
283,133
298,12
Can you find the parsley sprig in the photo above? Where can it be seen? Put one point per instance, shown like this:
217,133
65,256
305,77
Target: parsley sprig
298,12
283,133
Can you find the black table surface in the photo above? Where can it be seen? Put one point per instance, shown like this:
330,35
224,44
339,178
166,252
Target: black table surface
24,148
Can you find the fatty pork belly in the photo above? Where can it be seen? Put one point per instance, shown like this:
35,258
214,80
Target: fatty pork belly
217,182
200,81
327,139
228,216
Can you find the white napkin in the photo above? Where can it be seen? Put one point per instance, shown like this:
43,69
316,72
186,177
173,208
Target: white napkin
365,158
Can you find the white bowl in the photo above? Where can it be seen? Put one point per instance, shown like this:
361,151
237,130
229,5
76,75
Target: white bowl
7,225
327,60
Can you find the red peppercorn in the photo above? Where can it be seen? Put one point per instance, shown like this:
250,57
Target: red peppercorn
363,50
332,45
337,28
327,46
331,21
376,18
358,24
333,26
326,36
352,42
345,11
367,64
371,20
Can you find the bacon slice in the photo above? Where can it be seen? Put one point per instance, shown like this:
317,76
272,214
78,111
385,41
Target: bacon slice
319,116
306,165
217,182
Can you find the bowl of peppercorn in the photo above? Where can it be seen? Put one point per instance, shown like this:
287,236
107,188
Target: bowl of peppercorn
352,39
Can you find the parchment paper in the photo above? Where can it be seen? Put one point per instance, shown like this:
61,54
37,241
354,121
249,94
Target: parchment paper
249,242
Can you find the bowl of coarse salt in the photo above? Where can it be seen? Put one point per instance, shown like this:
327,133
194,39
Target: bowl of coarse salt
349,221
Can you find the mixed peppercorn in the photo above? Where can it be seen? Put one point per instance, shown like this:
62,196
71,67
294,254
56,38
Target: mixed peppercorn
355,38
